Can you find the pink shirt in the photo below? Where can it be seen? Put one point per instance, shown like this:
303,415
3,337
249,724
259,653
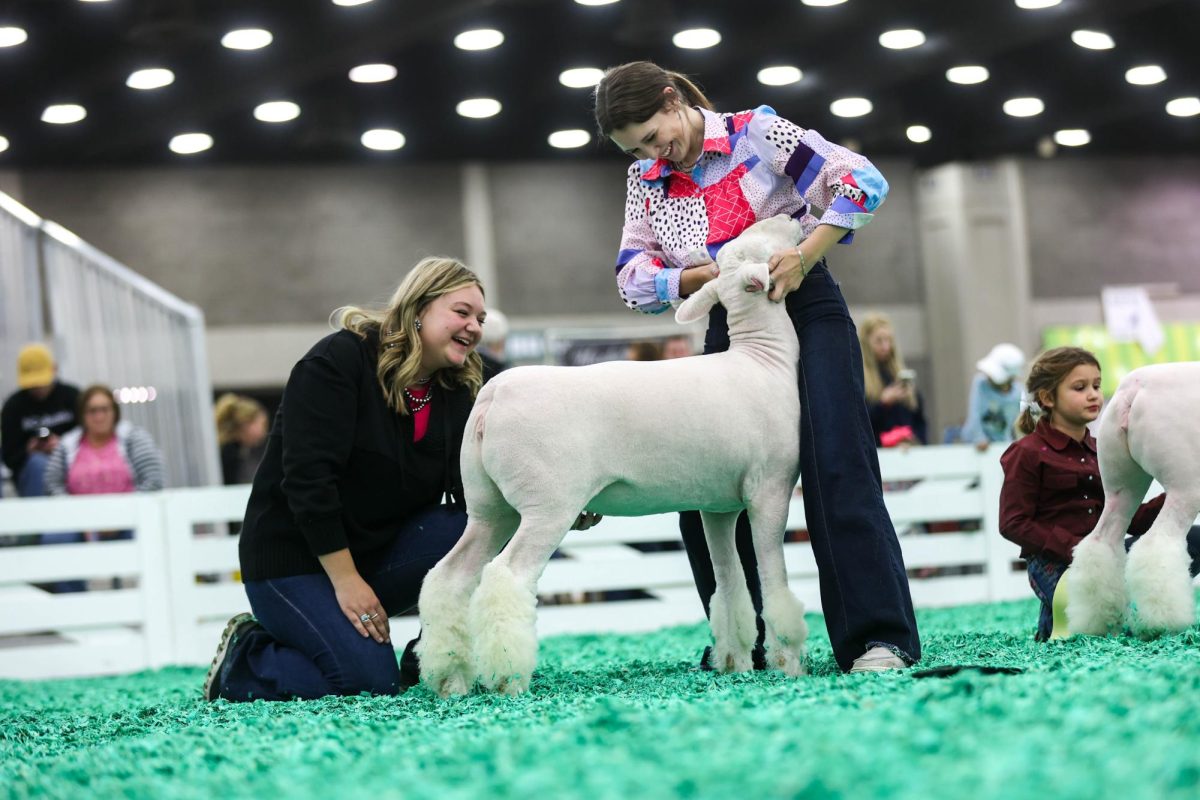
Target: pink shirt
420,418
99,470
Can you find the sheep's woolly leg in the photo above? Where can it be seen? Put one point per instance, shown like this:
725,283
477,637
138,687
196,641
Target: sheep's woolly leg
731,611
783,613
1157,571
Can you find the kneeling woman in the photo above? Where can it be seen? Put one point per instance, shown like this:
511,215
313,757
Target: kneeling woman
358,495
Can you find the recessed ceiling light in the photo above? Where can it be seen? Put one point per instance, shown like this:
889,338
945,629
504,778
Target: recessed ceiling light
478,107
967,75
1184,107
481,39
1024,107
902,39
1072,137
851,107
3,144
565,140
696,38
382,139
372,73
1093,40
779,76
153,78
822,3
276,111
64,114
580,77
1146,75
11,36
93,1
348,3
247,39
1036,4
186,144
595,2
918,133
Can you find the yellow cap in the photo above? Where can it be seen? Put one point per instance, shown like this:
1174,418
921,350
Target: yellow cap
35,366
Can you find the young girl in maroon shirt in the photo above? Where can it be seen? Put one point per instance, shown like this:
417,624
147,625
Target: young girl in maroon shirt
1052,494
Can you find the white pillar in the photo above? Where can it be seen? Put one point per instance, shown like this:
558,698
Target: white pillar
478,234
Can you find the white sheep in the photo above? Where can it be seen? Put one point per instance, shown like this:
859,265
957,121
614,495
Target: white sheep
544,442
1149,430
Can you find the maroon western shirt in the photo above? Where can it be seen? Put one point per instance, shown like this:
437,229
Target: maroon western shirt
1052,495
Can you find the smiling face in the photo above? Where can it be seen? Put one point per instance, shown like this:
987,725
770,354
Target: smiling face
99,416
451,327
1076,400
665,135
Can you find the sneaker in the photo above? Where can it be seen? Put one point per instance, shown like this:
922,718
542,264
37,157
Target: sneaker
236,628
878,659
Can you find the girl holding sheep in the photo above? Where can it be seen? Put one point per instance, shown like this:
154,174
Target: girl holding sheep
358,495
698,180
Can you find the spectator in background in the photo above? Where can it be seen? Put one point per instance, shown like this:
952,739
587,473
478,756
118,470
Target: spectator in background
995,397
491,348
34,417
897,413
645,350
242,434
679,346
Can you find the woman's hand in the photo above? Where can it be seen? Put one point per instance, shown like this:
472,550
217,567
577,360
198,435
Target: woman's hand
357,599
788,268
692,278
895,393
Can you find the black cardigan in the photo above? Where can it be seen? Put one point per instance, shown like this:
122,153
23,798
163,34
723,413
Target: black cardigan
341,468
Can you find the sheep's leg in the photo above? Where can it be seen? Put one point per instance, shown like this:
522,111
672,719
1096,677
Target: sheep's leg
444,649
731,611
783,612
1097,601
1157,571
502,617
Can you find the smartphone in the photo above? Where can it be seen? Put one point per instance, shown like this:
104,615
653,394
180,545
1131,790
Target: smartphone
43,433
908,376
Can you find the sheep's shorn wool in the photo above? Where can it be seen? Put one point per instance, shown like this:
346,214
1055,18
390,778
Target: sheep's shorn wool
1150,430
544,443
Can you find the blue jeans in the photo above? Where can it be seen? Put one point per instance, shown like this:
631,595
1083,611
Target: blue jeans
30,480
306,648
864,587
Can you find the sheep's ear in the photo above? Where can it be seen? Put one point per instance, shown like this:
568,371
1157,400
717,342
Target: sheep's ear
698,305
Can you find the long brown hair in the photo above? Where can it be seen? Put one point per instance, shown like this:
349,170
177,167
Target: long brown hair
396,329
633,93
231,412
1049,370
872,377
86,396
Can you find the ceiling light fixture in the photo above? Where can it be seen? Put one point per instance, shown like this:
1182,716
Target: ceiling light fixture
3,144
382,139
478,108
1146,75
186,144
851,107
1024,107
11,36
1184,107
247,39
967,75
580,77
276,111
1033,5
696,39
918,133
481,39
822,3
152,78
350,3
902,39
779,76
1093,40
64,114
569,139
1072,137
372,73
595,2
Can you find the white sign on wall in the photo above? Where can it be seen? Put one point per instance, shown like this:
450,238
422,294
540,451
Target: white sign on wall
1129,316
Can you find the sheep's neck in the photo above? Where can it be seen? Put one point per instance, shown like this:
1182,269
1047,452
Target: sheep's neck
773,346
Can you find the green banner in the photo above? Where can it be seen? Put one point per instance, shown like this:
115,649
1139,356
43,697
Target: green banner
1118,359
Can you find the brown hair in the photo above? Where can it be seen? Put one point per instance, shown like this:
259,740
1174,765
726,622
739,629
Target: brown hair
396,329
645,351
1049,370
232,411
633,93
872,379
87,394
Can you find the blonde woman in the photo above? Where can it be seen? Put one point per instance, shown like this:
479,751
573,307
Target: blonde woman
242,427
358,495
893,402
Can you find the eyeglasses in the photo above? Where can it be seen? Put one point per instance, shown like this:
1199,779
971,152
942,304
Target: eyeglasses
98,410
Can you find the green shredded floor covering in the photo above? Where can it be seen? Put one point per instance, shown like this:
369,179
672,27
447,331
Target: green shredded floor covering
628,717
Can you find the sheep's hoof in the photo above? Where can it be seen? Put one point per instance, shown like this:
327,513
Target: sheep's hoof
1160,587
508,684
452,685
787,662
725,661
1097,599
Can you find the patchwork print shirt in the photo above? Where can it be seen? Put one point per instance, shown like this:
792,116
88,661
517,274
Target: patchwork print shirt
753,165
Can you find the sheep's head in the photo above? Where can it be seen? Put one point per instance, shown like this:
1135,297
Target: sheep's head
743,265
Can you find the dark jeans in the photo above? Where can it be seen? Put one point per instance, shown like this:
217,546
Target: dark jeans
306,648
1045,573
864,588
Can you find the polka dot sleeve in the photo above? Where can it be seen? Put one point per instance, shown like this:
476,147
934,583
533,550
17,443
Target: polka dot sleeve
644,280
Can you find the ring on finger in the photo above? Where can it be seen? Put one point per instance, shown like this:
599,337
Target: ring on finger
365,618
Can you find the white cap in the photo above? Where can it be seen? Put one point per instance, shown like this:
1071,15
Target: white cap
495,326
1004,363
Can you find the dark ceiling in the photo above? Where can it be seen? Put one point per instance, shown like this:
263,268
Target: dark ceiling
82,52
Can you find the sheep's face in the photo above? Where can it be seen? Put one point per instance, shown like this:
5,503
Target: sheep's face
759,242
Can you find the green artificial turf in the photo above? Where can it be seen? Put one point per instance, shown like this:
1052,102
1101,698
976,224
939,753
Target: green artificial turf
629,717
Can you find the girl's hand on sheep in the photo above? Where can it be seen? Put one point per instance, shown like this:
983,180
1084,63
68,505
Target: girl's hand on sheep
586,520
692,278
788,268
357,600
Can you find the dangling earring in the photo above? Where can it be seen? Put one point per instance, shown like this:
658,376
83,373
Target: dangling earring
417,324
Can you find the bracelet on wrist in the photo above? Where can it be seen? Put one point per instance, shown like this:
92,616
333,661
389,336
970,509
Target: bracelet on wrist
803,265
